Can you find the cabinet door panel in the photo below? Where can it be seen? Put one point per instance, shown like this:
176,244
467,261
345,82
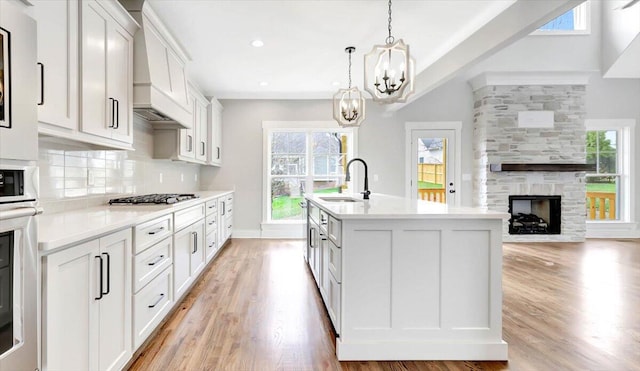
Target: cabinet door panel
58,53
182,247
199,250
201,127
70,310
118,61
95,118
115,307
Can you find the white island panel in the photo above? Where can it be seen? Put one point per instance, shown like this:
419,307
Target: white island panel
421,290
417,263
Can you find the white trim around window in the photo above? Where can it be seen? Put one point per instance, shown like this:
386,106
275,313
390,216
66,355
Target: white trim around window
627,226
293,228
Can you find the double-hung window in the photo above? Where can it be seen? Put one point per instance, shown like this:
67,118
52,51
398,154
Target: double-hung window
609,194
302,157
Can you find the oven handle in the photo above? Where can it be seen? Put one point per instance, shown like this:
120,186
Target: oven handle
20,212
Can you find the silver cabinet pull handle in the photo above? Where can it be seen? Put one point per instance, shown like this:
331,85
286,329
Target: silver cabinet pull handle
195,242
157,301
157,260
157,230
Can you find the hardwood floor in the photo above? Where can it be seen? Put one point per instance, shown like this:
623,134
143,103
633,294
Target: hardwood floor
566,307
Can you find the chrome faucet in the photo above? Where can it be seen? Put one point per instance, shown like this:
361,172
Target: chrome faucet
366,192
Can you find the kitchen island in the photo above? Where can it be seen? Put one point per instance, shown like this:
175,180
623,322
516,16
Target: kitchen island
408,279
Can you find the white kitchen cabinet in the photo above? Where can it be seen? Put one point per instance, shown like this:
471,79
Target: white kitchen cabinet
58,64
190,145
225,218
188,256
214,117
107,72
87,305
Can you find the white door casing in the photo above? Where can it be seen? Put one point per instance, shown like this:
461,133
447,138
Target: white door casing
451,130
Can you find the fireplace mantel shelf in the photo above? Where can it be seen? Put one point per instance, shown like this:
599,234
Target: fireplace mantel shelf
541,167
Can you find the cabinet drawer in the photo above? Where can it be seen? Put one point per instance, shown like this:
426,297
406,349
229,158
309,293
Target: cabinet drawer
149,233
211,245
151,305
324,220
335,261
212,223
314,212
211,207
334,230
151,262
188,216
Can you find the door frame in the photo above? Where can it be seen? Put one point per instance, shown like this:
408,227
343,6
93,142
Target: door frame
456,127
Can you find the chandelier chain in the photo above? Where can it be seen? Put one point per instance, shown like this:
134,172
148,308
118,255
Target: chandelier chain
350,69
390,38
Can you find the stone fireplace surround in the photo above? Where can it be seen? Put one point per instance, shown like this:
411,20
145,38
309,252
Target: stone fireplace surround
498,139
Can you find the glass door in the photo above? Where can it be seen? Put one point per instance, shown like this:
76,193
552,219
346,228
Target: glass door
432,164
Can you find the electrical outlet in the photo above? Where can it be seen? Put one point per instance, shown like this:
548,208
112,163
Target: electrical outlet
160,178
196,177
375,177
182,177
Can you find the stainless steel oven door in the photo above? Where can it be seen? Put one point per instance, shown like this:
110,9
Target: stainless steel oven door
18,287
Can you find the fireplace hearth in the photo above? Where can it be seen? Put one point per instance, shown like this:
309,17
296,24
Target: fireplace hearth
534,214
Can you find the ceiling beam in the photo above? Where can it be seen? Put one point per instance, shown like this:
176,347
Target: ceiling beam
516,22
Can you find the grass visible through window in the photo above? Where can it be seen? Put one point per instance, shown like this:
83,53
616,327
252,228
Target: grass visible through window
287,207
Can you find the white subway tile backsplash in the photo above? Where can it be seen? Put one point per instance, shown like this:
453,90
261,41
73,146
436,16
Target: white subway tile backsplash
72,177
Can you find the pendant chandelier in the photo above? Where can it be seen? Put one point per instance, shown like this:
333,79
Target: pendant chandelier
349,104
388,70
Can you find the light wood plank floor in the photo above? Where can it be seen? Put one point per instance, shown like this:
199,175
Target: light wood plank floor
566,307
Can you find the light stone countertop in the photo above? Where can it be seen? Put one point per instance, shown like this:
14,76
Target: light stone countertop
381,206
72,227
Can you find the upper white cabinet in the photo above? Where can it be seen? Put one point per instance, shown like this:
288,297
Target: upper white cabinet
58,23
190,145
160,80
107,72
85,56
214,117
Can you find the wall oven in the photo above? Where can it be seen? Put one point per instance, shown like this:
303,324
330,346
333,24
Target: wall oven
18,267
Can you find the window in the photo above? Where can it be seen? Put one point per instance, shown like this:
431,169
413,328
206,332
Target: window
300,159
609,186
574,22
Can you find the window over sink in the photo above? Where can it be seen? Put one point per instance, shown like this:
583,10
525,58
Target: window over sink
302,157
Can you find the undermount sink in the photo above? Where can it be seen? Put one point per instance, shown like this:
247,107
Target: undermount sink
340,199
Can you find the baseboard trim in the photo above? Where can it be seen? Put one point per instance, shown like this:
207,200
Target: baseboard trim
613,230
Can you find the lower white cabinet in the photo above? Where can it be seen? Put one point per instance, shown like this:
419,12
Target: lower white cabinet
225,218
87,305
188,256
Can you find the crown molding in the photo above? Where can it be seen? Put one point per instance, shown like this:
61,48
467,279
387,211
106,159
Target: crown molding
530,78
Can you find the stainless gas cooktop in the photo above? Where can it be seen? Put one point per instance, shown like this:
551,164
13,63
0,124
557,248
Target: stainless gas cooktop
155,198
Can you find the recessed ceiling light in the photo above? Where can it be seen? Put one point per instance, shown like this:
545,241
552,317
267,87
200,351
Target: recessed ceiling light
257,43
335,83
263,83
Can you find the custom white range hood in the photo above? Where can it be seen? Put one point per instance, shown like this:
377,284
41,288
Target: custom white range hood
159,71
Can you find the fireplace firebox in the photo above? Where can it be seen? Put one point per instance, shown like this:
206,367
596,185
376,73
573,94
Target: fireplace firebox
534,214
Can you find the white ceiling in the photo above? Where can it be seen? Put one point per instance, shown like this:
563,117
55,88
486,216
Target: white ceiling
304,40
